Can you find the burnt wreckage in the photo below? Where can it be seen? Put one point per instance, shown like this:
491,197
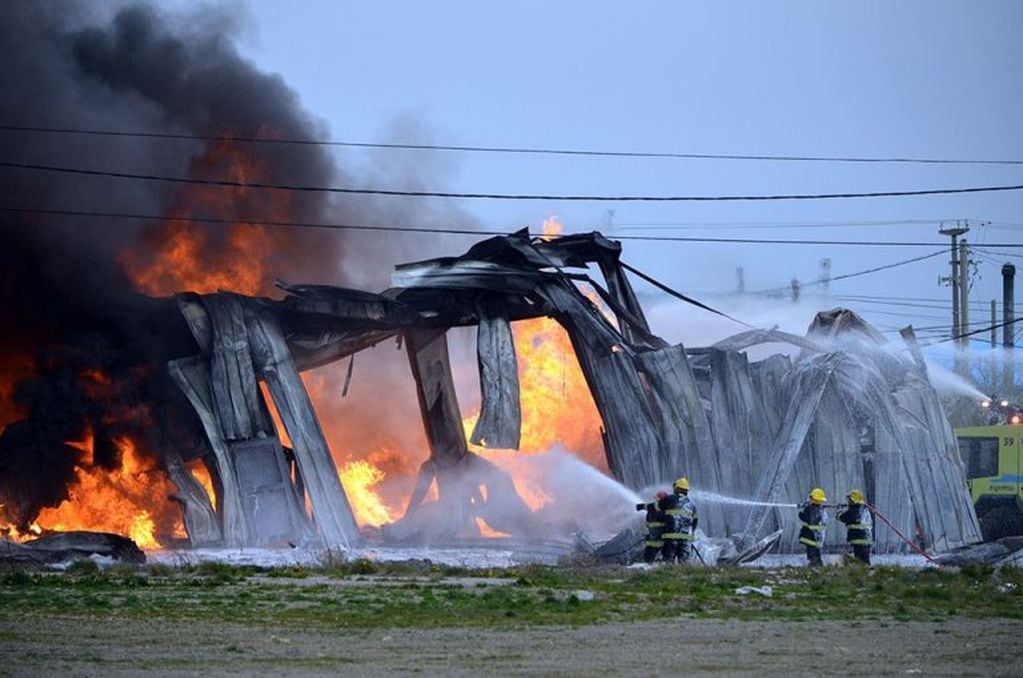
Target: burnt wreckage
842,412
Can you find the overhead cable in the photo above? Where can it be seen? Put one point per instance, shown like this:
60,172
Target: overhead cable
678,295
504,196
452,231
512,149
855,274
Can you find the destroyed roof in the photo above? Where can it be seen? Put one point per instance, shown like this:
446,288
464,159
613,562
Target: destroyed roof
846,412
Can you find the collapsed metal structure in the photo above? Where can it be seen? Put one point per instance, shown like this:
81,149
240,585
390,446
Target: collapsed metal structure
845,412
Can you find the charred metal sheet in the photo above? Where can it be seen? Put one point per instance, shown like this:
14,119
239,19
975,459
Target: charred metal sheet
193,378
330,506
431,367
198,320
268,494
236,397
500,417
201,521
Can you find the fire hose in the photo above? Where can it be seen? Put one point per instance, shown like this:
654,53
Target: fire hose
901,536
889,524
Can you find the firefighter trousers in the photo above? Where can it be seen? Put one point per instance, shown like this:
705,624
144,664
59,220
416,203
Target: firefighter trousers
676,550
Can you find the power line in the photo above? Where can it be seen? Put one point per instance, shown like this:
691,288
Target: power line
508,196
907,304
684,225
975,332
856,274
512,149
882,302
248,222
1000,254
935,302
900,315
458,231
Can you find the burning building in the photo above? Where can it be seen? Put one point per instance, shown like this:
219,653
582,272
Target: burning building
847,412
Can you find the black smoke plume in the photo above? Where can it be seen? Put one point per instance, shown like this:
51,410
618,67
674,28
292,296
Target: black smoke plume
81,347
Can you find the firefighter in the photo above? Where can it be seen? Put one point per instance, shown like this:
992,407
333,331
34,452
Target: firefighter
859,524
680,513
815,522
655,520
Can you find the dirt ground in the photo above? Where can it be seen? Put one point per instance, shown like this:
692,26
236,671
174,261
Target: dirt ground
39,645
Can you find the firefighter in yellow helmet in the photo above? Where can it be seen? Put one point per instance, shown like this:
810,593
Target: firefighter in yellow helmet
814,522
655,523
859,524
680,515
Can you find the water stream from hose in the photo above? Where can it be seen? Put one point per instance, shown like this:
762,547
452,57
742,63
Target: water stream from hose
715,498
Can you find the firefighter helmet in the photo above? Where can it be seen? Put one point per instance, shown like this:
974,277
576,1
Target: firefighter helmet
682,484
661,494
817,496
855,497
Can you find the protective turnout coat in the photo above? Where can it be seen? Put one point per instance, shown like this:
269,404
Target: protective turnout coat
814,522
859,524
680,512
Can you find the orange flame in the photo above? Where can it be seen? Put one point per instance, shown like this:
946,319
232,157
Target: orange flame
184,254
358,478
122,501
487,531
552,228
202,474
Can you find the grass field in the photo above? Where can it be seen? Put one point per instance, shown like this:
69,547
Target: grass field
216,610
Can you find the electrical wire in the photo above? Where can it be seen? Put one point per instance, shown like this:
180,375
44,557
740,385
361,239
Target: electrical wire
505,196
855,274
965,335
984,250
511,149
723,225
458,231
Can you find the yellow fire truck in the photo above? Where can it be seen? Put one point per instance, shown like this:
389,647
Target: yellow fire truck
993,456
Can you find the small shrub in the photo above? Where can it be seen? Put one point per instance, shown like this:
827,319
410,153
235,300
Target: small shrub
363,566
16,577
83,567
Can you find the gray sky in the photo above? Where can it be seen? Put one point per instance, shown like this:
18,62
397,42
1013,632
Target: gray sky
919,79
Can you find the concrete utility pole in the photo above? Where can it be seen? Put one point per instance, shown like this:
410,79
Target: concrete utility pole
1008,329
825,268
964,305
954,232
740,274
993,362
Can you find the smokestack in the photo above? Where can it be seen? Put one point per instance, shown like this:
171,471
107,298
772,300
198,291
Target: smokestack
1008,301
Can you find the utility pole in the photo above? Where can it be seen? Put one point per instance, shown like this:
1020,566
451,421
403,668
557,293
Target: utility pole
964,306
993,362
1008,330
954,232
740,274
